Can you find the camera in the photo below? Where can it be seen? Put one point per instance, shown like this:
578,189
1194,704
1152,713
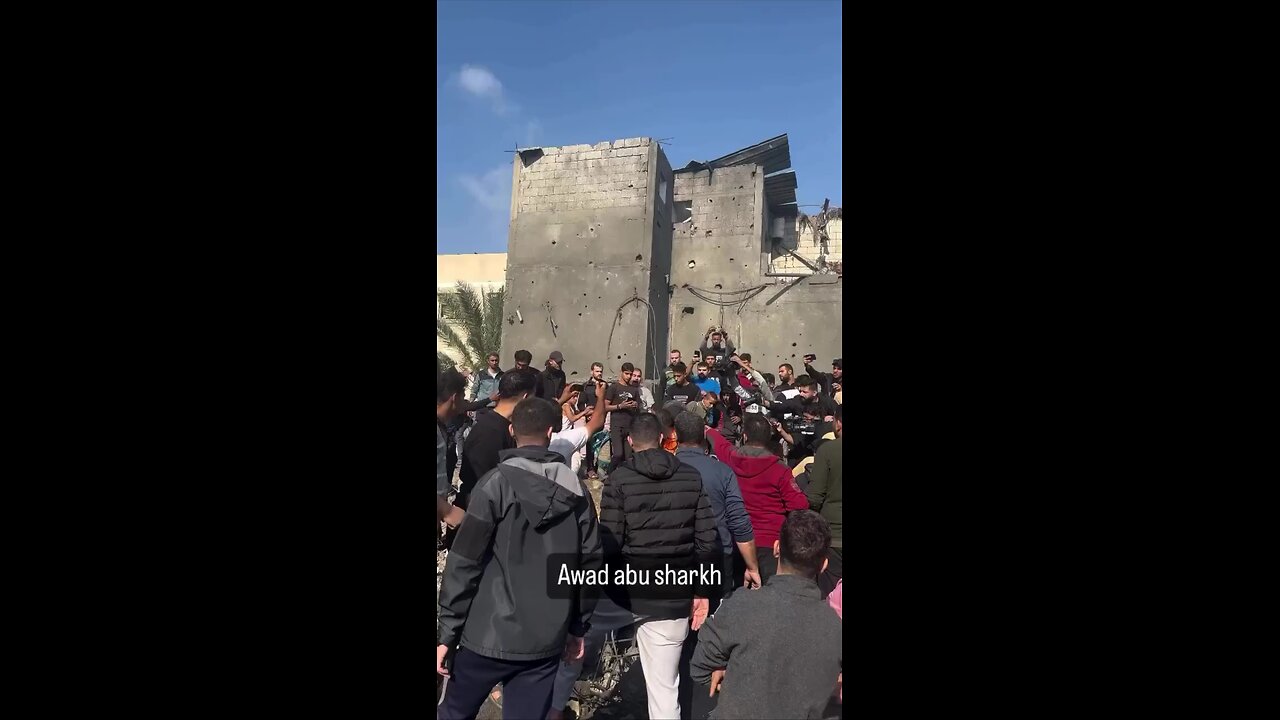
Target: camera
748,399
796,424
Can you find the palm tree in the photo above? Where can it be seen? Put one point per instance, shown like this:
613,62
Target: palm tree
478,316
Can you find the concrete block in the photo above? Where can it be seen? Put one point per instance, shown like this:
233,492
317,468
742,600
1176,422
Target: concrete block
592,155
605,145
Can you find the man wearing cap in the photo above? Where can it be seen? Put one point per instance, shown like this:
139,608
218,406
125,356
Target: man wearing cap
553,377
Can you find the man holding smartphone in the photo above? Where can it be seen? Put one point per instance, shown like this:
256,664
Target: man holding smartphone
622,400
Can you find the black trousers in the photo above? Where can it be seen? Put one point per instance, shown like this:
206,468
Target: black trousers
526,686
618,448
834,573
767,562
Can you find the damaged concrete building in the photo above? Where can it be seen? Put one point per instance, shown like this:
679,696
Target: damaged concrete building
613,256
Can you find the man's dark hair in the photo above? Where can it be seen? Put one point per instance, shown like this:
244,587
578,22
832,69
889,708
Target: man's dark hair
628,367
805,539
756,430
838,363
804,381
673,350
595,365
704,364
744,356
690,429
493,355
646,429
517,381
679,367
664,417
524,356
768,377
533,417
788,367
448,384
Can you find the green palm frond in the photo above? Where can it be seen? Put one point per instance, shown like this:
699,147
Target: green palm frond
474,328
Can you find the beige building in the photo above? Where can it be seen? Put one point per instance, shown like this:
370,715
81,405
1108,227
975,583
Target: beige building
483,271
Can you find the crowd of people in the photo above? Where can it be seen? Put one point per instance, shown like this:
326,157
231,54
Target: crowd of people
717,460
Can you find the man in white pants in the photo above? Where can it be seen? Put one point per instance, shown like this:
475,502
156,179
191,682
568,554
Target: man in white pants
654,513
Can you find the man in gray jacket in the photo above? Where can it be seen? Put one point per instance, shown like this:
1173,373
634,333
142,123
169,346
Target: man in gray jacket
777,651
497,624
486,382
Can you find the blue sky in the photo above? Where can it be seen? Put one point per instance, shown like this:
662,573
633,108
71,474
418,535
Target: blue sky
712,75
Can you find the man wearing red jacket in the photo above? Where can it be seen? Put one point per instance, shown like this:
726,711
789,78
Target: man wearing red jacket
769,491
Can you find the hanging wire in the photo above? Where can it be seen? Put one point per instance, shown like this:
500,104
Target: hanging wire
651,331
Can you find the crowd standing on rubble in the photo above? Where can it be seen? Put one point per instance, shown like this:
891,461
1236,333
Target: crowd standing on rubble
718,460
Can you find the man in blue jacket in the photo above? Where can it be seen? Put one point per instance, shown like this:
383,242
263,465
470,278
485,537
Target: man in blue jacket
721,485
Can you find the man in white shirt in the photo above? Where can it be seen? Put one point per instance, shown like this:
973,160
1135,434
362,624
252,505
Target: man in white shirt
569,441
646,397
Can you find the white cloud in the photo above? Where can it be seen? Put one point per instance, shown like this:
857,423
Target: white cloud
532,133
484,84
492,190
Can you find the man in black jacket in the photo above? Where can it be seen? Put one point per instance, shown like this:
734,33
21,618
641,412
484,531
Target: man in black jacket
655,513
492,624
553,378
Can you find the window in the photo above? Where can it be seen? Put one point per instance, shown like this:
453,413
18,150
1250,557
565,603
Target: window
684,210
662,193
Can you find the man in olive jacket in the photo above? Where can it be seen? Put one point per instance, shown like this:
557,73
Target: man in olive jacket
825,495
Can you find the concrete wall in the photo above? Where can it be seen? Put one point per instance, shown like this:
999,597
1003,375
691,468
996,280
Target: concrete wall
583,240
726,241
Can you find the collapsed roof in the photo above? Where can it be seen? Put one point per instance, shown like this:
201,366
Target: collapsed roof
774,158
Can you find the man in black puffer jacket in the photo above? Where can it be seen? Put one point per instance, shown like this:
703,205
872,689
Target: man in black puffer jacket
654,512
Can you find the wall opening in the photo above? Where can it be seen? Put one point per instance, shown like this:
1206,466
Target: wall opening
683,211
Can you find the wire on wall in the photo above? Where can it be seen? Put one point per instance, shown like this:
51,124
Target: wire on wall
651,331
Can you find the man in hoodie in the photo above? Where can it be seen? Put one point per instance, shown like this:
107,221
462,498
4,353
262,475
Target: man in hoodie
655,512
776,652
769,491
553,378
492,628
